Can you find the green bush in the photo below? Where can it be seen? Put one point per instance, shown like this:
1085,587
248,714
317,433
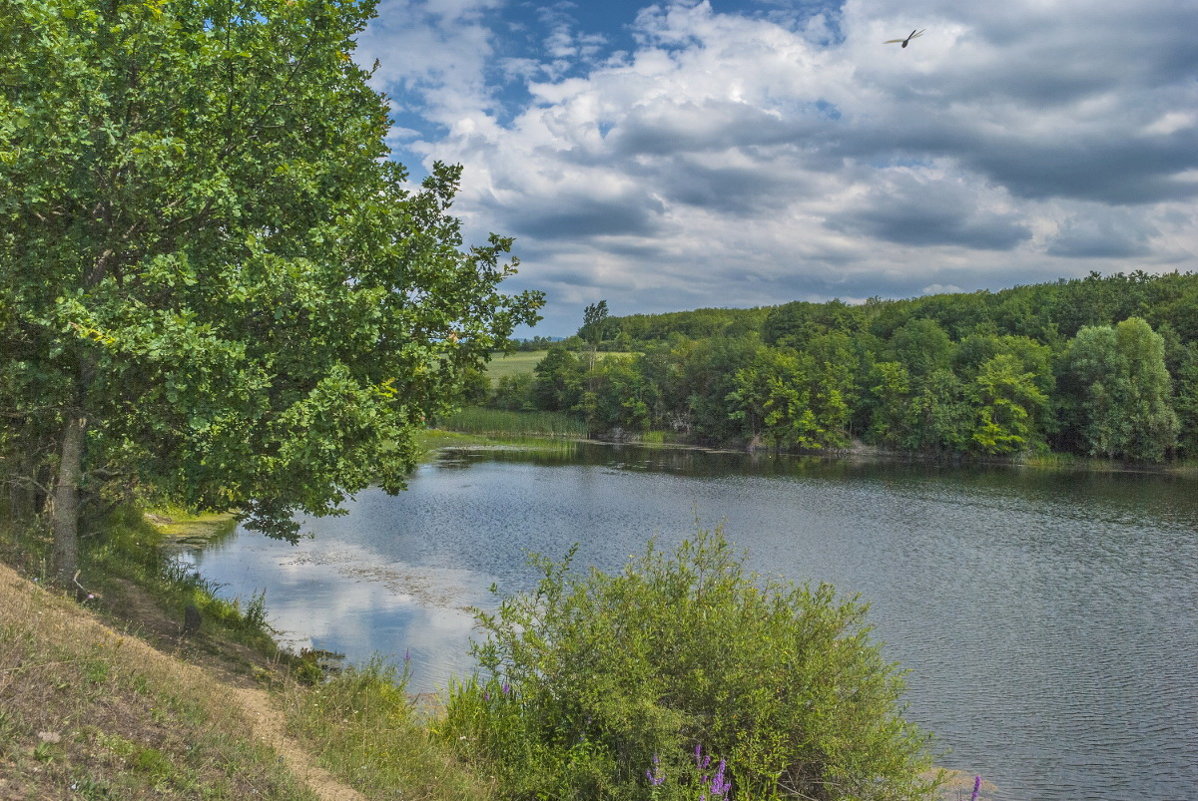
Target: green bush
629,686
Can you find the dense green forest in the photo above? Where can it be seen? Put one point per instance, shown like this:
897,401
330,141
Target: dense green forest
1102,366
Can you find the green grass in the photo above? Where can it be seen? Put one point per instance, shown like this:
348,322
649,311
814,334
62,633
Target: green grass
124,565
379,742
522,363
431,440
519,363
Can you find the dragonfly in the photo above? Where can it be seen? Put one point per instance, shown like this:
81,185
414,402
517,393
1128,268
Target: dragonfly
907,41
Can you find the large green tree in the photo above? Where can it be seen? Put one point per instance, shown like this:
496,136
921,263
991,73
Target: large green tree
788,400
1009,405
1119,392
214,284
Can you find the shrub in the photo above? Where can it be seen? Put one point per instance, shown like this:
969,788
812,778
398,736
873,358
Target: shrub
627,685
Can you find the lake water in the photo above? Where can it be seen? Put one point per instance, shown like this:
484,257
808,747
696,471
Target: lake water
1049,618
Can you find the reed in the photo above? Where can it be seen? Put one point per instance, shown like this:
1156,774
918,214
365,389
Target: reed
499,422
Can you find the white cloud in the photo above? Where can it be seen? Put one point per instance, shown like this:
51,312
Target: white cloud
739,160
433,55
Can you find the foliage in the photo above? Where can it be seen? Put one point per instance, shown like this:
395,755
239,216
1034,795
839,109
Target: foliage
599,683
1186,399
615,396
938,413
696,324
558,380
795,324
594,323
994,374
1008,402
922,346
213,282
784,397
890,394
514,393
1123,401
476,385
498,422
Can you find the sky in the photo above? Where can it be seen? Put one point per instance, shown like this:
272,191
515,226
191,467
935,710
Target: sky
737,153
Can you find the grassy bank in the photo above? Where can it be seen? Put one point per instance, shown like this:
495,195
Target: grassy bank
108,698
89,712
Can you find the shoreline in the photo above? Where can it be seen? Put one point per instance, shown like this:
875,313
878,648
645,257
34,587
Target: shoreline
859,452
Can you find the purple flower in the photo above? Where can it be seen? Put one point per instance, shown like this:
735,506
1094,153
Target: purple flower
719,785
507,688
977,785
654,775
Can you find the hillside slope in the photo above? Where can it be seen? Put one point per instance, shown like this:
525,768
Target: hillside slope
88,712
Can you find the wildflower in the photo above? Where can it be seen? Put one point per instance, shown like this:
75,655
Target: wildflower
719,785
507,688
977,785
655,776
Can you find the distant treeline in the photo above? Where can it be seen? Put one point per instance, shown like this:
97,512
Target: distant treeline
1100,366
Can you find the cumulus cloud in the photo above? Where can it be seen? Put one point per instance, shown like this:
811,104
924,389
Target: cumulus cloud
775,151
1101,233
910,208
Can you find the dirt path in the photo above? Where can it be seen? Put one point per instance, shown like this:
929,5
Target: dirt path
268,726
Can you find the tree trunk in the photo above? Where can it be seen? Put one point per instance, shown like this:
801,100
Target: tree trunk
64,519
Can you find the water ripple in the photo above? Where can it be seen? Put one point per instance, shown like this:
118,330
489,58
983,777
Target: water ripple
1047,618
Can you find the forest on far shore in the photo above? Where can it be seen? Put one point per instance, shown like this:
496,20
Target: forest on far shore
1103,366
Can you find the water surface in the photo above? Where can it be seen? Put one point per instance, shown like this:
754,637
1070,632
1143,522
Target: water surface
1047,617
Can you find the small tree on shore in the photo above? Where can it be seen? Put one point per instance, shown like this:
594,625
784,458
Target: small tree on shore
609,686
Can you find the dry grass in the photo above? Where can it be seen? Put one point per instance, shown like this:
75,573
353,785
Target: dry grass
87,712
